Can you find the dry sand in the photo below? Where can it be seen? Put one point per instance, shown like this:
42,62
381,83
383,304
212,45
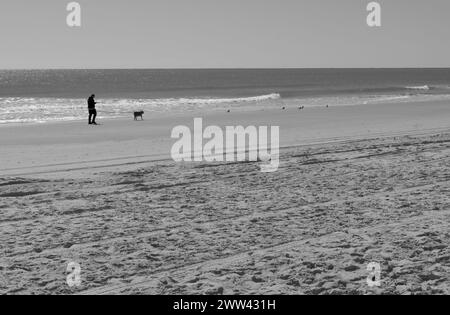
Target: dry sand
109,199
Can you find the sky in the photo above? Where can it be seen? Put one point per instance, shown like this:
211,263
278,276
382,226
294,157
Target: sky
224,34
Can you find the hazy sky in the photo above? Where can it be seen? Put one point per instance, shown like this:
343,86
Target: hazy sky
224,34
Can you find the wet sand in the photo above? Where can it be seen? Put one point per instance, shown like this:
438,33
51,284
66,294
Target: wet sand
30,149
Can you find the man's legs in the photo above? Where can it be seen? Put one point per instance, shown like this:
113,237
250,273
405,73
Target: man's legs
92,116
94,112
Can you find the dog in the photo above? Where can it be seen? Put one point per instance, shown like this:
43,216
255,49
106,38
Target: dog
139,114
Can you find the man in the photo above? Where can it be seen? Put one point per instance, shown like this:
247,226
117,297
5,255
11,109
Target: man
92,110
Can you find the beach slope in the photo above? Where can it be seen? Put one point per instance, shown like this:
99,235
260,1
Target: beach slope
164,228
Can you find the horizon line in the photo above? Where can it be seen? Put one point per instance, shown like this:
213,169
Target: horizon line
238,68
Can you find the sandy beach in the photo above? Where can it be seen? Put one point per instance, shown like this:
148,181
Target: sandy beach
356,185
35,148
224,155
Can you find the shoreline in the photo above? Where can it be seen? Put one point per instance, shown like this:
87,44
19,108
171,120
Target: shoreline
291,103
271,104
34,145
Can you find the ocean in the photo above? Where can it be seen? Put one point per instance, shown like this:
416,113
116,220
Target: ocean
39,96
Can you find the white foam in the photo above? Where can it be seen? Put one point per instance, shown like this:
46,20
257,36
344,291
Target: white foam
423,87
14,109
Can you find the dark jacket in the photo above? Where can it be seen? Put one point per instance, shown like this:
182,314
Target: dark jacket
91,103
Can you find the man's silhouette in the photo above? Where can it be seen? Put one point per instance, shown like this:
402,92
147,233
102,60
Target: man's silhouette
92,110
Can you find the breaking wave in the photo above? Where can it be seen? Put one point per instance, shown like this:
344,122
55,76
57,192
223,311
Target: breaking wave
26,110
41,110
260,98
421,88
